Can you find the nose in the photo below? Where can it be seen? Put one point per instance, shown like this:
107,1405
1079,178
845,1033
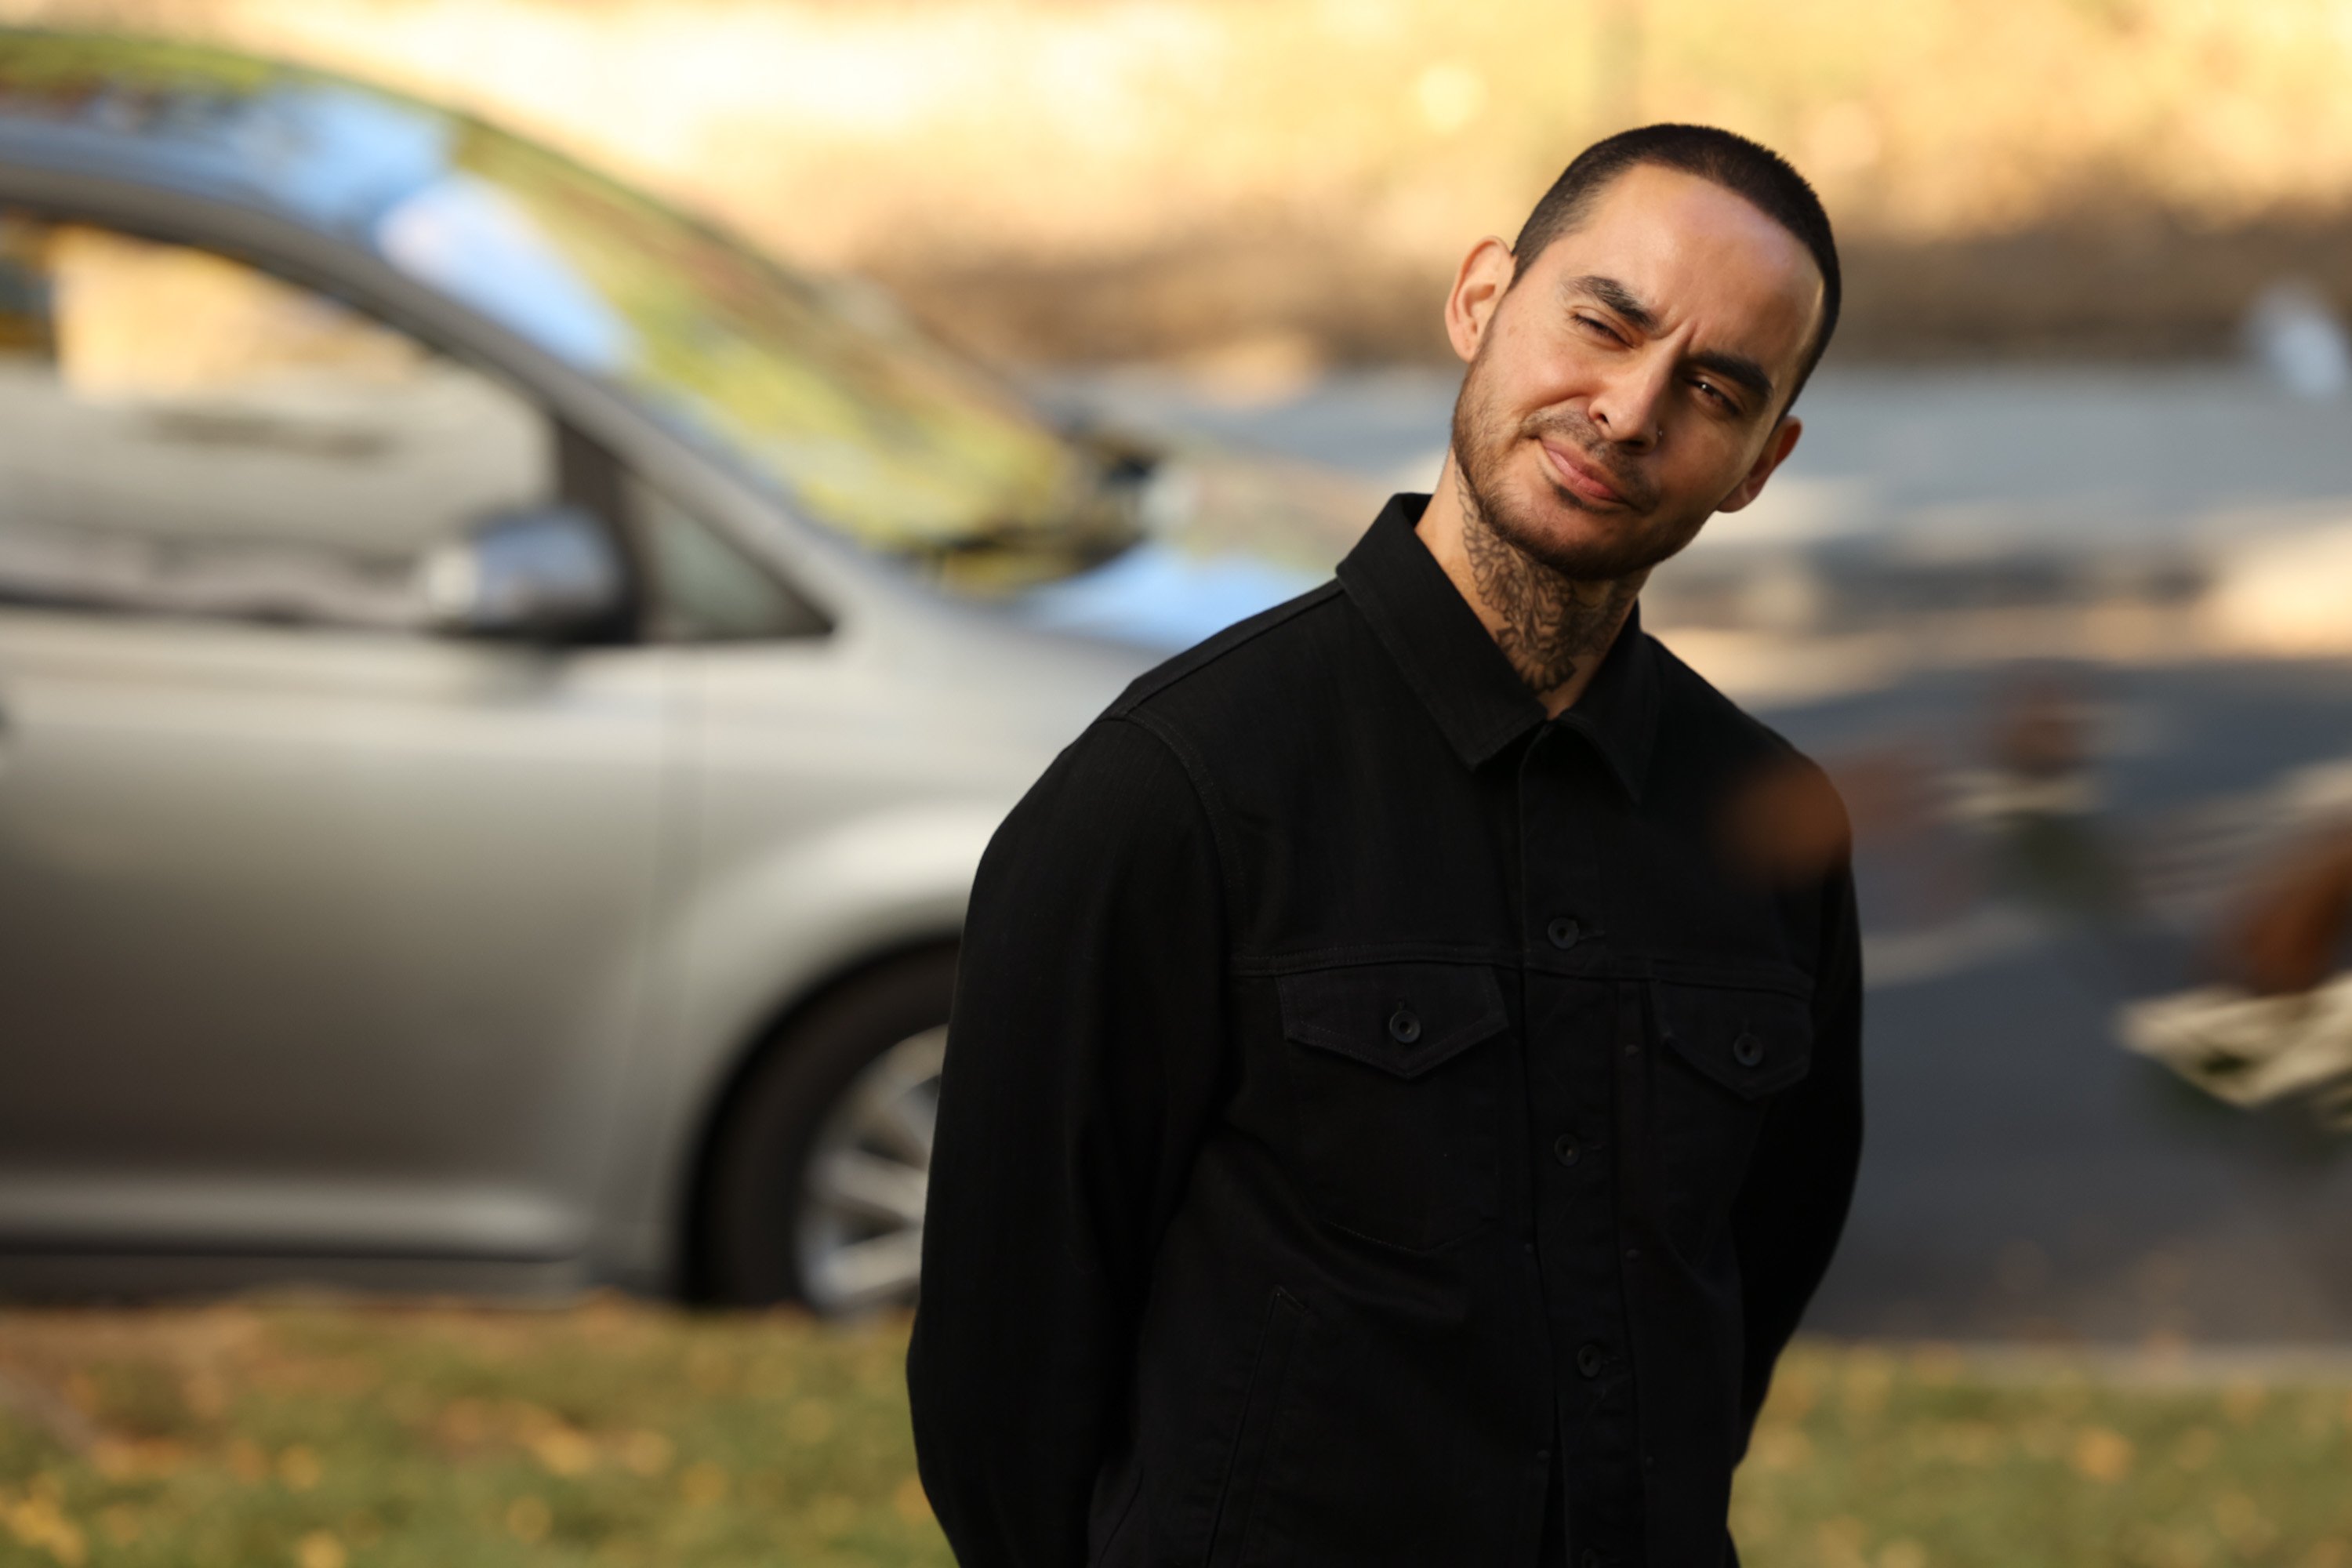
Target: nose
1631,408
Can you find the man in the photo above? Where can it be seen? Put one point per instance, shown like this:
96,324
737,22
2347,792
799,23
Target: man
1394,1113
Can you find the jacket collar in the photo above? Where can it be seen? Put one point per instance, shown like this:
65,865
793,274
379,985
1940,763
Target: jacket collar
1450,660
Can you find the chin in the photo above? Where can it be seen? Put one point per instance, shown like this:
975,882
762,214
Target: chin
1585,545
1556,518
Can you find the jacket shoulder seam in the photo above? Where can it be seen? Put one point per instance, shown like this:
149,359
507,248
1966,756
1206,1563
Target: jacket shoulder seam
1204,793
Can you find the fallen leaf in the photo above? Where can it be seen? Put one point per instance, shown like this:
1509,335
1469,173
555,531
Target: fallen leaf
703,1484
300,1469
2102,1455
563,1451
529,1518
647,1453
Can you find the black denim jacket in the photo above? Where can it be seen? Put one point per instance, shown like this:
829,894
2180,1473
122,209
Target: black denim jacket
1374,1112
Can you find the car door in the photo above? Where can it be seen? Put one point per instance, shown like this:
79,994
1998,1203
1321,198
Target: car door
320,933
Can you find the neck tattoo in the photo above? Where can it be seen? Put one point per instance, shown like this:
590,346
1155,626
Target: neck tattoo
1552,624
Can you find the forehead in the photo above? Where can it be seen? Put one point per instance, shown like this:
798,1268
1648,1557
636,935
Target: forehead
1699,257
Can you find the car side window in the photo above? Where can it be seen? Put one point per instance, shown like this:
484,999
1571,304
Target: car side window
182,433
705,588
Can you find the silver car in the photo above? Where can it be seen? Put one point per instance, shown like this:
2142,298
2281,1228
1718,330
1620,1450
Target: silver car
502,691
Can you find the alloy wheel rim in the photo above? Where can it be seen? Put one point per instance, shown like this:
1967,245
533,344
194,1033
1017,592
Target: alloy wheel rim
860,1226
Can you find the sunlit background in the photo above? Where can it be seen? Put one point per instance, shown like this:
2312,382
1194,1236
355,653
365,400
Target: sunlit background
449,844
1284,181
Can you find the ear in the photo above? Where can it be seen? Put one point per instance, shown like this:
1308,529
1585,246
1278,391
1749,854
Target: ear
1777,448
1478,287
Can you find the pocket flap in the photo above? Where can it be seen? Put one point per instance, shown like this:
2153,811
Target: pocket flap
1403,1018
1753,1043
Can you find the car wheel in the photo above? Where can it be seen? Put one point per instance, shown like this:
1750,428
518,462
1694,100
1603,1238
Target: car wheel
818,1175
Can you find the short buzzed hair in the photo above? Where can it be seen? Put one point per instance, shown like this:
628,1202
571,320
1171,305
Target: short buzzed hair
1749,170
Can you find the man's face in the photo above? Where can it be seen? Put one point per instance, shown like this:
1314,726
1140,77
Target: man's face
1629,385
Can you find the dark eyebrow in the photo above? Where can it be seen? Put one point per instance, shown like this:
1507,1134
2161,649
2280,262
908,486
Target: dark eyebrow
1736,368
1618,297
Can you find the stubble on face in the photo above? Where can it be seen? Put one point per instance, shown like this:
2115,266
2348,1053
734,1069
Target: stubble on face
1560,604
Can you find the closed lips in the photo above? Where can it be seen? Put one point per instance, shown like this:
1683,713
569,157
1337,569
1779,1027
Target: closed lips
1580,477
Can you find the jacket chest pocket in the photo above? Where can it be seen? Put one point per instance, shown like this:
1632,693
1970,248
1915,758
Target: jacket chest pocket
1395,1080
1725,1052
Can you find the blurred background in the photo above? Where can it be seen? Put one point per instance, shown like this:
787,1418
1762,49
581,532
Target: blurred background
500,690
1081,182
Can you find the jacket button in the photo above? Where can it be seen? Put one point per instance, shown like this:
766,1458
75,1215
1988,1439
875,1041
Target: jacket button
1403,1027
1589,1358
1747,1051
1564,1149
1563,933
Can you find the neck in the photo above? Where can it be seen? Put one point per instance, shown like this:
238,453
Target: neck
1554,628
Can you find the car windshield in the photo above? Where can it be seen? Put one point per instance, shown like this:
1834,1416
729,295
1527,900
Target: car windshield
817,390
822,390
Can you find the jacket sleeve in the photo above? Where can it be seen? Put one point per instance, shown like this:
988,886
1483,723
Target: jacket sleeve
1081,1064
1789,1215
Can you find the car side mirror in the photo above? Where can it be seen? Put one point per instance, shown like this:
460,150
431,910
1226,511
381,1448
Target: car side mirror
542,572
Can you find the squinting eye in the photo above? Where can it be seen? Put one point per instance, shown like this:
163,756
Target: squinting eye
1708,387
1591,325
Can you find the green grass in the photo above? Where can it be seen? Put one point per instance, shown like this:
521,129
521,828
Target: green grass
317,1436
1924,1458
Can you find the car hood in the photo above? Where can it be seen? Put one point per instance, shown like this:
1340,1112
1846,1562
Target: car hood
1225,534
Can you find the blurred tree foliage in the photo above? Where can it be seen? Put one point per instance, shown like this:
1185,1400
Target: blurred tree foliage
2116,174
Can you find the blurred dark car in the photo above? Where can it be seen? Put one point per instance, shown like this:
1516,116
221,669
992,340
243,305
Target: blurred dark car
502,689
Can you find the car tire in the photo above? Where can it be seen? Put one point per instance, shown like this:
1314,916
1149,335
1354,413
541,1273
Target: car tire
817,1171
